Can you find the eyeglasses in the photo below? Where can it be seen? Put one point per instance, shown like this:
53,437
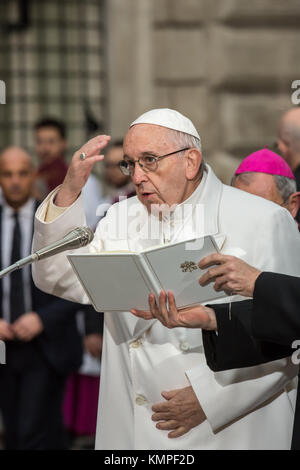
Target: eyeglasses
147,162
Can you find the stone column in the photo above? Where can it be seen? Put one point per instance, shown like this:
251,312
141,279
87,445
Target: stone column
130,64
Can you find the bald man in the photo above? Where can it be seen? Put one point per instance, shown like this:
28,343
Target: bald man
42,343
288,142
289,138
266,174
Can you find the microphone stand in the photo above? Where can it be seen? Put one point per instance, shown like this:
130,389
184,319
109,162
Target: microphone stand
79,237
19,264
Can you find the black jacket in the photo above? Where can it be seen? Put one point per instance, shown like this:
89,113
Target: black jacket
60,342
259,331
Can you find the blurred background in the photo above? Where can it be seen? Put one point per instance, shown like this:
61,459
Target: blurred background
95,65
98,64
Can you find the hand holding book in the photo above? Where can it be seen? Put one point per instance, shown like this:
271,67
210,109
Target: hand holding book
120,281
197,316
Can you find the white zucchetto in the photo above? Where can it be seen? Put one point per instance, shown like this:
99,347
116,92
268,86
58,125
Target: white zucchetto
168,118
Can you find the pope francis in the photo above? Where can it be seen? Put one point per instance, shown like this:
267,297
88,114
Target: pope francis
156,390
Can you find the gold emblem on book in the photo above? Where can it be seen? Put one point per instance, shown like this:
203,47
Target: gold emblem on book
188,266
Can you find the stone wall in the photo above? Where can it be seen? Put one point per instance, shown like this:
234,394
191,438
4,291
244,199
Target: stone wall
227,64
54,65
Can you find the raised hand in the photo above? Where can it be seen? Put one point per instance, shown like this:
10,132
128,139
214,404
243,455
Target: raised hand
80,169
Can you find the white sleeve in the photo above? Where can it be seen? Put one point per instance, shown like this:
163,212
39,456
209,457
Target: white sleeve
55,275
226,396
229,395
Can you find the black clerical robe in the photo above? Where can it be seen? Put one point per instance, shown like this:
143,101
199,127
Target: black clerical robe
259,331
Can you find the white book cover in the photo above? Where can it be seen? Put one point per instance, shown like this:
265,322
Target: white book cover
120,281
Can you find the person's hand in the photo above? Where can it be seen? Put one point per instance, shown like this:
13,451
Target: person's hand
27,326
6,331
79,170
93,344
191,317
179,413
233,275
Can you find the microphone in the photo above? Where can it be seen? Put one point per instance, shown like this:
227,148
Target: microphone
80,236
77,238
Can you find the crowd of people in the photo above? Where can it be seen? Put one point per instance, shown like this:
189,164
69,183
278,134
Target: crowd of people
164,384
50,383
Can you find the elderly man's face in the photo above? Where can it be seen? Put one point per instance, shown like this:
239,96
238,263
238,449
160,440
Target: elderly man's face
168,184
260,184
263,185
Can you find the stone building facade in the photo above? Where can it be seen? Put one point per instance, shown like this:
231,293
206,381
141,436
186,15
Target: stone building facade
227,64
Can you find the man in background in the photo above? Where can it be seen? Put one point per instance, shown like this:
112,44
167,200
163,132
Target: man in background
266,174
80,404
51,146
42,342
118,183
288,142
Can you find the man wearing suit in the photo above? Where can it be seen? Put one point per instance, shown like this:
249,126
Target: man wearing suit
42,342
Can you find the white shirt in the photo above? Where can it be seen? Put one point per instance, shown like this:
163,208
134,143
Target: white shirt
92,198
26,226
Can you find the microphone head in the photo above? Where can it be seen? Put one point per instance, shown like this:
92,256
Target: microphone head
77,238
86,235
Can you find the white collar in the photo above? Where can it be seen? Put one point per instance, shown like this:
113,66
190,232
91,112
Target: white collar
207,194
178,214
206,198
25,211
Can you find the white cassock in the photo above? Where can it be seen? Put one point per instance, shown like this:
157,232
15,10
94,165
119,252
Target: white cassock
246,408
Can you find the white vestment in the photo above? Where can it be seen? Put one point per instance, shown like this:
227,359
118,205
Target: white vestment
246,408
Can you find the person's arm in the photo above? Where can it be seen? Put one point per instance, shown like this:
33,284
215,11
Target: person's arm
55,275
93,331
93,321
80,170
56,312
272,318
61,212
234,346
276,312
229,395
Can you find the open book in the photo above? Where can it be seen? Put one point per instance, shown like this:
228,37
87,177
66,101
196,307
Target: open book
120,281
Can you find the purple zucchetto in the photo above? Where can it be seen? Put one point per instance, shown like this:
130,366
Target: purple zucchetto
265,161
